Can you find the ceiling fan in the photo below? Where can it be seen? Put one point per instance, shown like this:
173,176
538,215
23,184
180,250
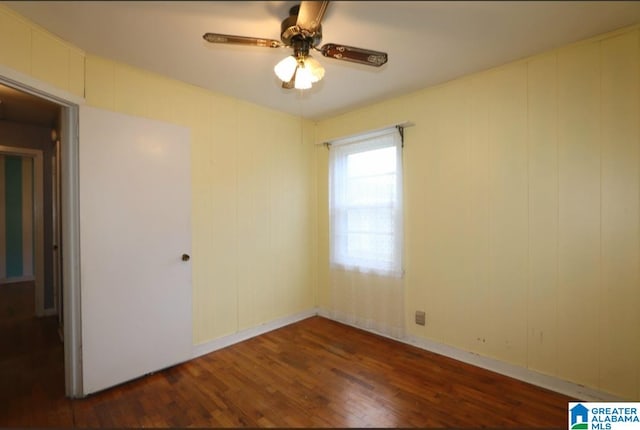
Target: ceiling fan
302,31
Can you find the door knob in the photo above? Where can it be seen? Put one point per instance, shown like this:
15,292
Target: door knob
185,257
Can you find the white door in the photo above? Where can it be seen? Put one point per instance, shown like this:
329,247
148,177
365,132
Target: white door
135,226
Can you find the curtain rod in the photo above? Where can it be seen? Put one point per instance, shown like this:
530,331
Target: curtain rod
401,125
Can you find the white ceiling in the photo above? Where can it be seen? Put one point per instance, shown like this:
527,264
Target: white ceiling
428,42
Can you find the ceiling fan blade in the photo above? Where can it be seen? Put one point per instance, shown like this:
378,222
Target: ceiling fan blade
310,15
355,55
241,40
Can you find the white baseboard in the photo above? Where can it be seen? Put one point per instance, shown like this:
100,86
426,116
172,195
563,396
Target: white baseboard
223,342
571,389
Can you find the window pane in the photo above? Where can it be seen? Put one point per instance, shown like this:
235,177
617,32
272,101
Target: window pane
371,247
371,190
370,220
375,162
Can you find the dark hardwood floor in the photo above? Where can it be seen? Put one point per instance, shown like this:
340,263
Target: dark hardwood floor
31,363
315,373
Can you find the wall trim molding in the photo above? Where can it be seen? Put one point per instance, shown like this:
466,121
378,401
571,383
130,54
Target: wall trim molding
242,335
571,389
37,87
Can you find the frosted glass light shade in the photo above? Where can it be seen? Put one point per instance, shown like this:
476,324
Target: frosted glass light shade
304,78
316,69
286,68
305,69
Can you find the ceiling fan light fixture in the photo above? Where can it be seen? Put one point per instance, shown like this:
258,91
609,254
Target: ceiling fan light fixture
286,68
302,31
304,70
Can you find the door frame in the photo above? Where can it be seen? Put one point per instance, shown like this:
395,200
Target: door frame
70,217
36,155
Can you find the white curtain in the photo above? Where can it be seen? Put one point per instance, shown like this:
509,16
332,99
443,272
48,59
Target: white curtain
367,300
366,232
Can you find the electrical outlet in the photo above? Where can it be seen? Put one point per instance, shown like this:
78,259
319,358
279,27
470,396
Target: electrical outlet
420,318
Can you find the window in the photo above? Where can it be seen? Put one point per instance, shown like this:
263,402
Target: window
365,203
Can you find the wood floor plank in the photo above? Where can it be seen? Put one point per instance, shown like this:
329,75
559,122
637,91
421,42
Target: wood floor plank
315,373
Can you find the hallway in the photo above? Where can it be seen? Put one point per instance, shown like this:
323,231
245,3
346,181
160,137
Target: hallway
31,363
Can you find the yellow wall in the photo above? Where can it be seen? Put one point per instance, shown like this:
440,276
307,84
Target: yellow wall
253,210
29,49
522,211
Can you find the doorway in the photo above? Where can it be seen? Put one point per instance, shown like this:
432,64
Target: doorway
25,211
27,109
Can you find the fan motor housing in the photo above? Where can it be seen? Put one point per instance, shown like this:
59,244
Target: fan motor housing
290,32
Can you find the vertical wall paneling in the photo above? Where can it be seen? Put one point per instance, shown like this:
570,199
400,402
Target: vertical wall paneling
100,82
463,335
161,97
15,42
508,214
449,186
49,60
322,262
224,258
130,95
479,169
255,271
29,49
314,244
426,203
542,145
414,232
193,109
76,72
620,176
307,150
290,216
579,264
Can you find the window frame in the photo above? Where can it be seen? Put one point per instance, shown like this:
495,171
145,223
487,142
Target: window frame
339,207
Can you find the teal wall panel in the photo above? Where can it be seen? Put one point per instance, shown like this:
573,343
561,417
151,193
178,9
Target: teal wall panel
13,220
